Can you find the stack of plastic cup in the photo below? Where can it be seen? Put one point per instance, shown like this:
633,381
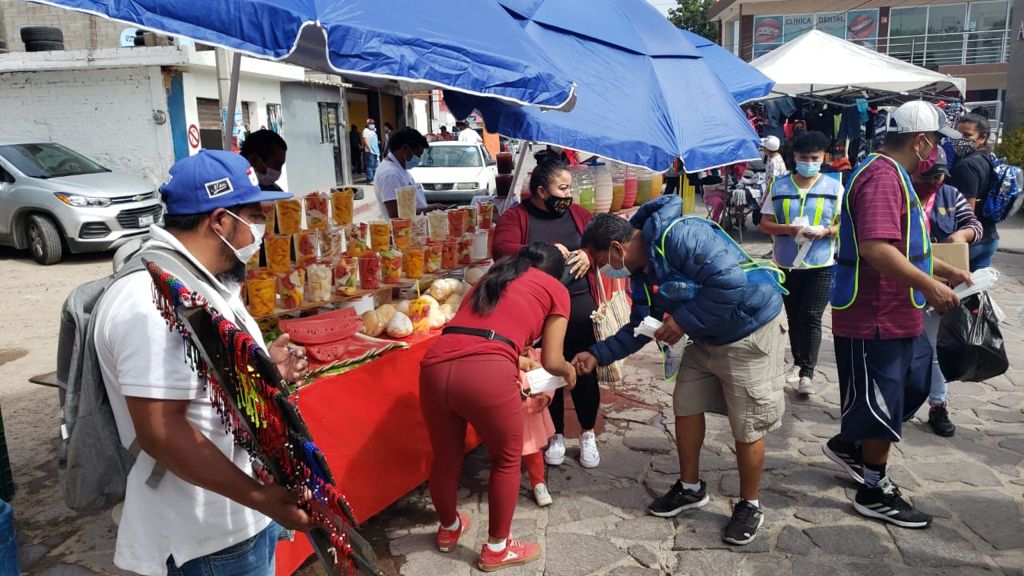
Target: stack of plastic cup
602,187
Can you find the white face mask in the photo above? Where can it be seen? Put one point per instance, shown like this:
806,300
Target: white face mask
246,253
270,177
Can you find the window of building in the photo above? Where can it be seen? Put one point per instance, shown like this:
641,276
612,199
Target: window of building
950,34
986,32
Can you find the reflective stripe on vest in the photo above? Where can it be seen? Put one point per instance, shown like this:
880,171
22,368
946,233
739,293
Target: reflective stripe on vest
757,272
824,192
918,248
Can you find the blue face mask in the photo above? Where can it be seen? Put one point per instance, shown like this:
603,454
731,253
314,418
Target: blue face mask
808,169
412,162
610,271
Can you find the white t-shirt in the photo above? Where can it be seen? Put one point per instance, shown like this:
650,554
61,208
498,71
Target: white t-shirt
470,136
391,176
141,358
776,167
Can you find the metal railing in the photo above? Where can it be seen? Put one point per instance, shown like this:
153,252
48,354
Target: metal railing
933,50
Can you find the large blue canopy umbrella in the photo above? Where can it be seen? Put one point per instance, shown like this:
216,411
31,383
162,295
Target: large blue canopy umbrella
743,81
645,94
471,46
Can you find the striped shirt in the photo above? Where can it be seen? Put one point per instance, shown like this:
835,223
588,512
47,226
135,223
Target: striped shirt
883,307
948,201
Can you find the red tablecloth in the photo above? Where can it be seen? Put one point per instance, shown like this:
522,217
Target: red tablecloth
369,426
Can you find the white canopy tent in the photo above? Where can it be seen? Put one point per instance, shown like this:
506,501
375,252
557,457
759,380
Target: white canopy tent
822,65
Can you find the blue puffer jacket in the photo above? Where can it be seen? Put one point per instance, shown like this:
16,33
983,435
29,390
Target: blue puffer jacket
727,307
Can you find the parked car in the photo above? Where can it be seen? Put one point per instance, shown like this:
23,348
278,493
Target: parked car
53,199
455,172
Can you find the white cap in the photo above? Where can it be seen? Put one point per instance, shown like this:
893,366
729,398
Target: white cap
920,116
771,143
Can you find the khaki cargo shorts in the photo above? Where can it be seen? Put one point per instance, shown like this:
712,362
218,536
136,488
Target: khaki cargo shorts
743,380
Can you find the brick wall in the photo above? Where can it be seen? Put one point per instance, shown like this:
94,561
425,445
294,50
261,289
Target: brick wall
76,26
106,114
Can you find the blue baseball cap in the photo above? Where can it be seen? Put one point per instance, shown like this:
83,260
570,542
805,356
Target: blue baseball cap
213,179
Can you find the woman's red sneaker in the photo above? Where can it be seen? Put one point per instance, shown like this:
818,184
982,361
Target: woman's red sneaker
514,554
448,539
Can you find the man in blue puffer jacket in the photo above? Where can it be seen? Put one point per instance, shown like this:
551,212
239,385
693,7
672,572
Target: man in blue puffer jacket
734,365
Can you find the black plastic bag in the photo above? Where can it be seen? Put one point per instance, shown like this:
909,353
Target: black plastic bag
969,345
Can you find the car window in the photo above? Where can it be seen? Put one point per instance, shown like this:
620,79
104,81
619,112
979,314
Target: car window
5,176
487,154
47,160
451,157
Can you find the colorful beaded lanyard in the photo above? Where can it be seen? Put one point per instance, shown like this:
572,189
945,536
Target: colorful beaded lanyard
254,406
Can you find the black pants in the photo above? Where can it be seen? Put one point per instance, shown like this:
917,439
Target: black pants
672,185
586,396
808,296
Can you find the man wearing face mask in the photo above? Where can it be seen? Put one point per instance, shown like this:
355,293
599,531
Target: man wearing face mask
550,217
207,514
883,280
405,148
794,203
267,152
690,275
971,174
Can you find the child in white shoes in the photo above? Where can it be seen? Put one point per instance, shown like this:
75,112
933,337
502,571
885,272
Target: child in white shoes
537,428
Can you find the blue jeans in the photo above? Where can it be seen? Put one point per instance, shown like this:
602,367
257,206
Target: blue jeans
937,396
981,254
252,557
372,162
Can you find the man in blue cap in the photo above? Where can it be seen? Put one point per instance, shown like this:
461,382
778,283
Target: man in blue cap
206,514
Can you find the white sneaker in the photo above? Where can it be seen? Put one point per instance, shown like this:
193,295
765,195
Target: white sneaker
805,387
541,495
555,454
793,376
589,456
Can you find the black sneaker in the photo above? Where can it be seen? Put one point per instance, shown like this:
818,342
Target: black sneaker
678,499
847,456
885,502
746,519
938,421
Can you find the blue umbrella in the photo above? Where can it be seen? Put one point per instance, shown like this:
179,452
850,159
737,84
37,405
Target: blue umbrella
743,81
474,47
645,95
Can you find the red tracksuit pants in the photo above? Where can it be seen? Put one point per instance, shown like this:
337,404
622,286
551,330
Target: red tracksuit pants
484,391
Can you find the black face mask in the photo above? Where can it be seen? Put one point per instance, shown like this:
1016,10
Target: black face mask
557,205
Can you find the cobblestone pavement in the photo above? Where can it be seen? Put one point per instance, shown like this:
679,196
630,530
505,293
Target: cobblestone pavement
972,483
597,525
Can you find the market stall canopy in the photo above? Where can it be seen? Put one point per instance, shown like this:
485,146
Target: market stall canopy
743,81
472,47
821,64
645,94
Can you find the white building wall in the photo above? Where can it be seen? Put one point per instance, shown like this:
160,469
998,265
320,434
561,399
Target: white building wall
257,90
106,114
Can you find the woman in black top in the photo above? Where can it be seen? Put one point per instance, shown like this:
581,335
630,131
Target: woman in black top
972,175
550,217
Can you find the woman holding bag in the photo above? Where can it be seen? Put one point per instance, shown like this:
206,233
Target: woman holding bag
550,217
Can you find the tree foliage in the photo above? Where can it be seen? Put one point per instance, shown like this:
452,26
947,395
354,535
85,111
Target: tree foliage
692,15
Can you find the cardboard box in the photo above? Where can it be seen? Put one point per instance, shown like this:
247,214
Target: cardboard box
955,254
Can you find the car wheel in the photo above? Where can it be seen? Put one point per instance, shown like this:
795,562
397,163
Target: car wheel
43,240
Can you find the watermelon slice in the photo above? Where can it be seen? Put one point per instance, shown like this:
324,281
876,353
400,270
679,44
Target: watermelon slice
354,349
323,328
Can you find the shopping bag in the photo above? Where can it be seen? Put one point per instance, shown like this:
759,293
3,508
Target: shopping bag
969,344
611,315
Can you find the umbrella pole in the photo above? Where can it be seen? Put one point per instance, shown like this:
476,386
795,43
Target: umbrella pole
228,73
523,151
